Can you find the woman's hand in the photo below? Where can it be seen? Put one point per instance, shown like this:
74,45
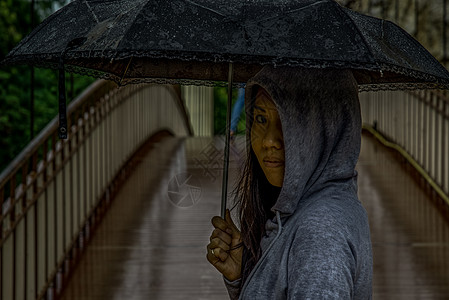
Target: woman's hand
223,251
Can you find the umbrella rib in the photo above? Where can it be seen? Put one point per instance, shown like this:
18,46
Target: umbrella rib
91,11
288,12
126,32
205,7
292,11
361,35
126,70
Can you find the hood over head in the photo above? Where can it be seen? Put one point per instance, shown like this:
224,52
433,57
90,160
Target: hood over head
321,123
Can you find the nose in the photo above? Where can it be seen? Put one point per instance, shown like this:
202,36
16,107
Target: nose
273,137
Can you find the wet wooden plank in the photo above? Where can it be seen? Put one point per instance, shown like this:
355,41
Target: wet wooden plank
410,231
152,242
149,248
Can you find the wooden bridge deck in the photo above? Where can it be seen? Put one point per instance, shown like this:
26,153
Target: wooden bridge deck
152,241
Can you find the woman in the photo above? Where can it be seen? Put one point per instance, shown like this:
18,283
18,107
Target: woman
304,233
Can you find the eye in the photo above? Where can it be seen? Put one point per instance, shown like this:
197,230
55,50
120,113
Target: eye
260,119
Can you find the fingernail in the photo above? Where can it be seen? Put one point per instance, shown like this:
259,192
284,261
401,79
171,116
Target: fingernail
228,230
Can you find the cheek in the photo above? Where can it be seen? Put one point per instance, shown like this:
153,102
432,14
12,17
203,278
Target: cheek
256,142
256,134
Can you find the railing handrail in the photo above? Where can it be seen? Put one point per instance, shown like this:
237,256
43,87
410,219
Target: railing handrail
64,186
15,165
409,123
440,95
99,85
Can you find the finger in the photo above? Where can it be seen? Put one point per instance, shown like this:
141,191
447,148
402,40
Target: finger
216,262
211,256
217,258
217,233
220,254
230,223
217,243
220,223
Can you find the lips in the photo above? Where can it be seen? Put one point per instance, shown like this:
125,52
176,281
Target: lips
272,162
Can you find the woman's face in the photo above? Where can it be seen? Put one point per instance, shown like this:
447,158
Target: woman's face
267,140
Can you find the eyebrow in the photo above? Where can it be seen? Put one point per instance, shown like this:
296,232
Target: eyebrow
260,108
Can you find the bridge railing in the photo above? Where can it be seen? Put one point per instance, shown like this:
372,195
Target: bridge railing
52,193
417,124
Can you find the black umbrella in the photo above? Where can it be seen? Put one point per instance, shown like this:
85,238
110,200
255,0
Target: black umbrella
131,41
204,41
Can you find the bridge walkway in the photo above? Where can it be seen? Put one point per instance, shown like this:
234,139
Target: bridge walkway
152,241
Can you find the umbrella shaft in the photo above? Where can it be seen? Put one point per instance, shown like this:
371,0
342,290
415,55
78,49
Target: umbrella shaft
224,190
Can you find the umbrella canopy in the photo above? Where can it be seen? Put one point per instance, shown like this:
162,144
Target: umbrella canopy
183,41
205,41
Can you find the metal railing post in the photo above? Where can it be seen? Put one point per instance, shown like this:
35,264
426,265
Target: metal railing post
63,186
424,137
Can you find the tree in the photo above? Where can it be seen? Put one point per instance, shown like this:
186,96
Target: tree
15,23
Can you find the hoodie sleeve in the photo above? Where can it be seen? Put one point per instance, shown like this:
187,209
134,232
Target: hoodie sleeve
322,261
233,288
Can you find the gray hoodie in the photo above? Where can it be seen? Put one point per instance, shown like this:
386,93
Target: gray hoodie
318,245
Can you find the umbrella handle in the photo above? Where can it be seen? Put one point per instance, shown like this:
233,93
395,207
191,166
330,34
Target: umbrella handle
62,132
224,187
75,43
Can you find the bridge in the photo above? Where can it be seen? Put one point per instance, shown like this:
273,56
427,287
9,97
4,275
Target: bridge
122,209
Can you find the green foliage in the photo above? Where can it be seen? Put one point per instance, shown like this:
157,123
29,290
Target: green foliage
15,82
12,24
15,20
15,117
220,109
13,129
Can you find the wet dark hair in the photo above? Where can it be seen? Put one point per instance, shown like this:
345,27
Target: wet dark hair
254,197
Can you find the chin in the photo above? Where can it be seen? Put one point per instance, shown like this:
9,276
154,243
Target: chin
275,178
275,182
